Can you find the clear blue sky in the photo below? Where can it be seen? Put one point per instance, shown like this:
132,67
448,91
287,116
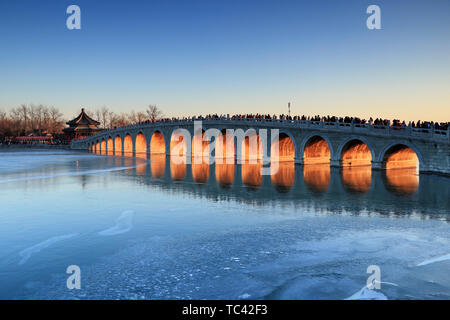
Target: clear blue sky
192,57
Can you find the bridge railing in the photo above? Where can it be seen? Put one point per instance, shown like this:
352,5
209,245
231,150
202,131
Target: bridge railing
341,126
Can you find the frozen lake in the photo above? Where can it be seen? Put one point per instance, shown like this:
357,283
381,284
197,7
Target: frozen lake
143,229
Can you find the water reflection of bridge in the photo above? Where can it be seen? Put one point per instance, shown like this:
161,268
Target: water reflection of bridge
319,187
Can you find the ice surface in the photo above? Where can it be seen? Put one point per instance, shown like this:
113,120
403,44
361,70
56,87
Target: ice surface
65,174
185,240
367,294
124,223
28,252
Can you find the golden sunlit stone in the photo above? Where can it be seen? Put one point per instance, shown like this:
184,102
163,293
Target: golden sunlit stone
316,151
252,148
118,146
110,146
285,148
200,145
103,147
356,153
128,146
141,146
157,143
178,147
401,156
224,147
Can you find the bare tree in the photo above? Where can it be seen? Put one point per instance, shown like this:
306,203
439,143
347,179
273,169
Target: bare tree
136,117
153,113
56,123
122,120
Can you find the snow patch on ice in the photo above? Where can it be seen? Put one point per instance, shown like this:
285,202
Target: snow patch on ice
244,296
124,223
367,294
28,252
433,260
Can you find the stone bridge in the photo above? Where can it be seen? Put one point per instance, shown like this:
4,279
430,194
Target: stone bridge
302,141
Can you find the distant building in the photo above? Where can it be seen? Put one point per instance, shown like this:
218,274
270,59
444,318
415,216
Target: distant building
32,139
81,127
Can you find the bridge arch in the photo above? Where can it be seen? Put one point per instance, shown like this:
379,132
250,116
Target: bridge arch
140,145
400,154
251,146
118,145
103,146
287,146
200,145
316,148
224,147
97,147
355,151
157,142
127,145
180,145
110,146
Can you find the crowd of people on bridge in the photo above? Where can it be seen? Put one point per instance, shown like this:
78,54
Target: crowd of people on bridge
317,118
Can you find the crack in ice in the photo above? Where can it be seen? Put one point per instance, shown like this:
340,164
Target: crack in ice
433,260
124,223
28,252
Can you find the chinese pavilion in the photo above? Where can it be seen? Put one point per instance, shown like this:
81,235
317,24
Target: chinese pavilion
82,126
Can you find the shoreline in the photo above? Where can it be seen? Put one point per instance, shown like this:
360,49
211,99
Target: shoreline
4,147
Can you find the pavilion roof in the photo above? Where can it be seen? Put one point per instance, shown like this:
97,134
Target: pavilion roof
82,118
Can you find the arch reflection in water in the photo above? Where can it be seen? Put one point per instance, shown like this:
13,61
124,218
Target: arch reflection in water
317,176
200,170
177,170
141,169
389,192
225,174
157,165
284,178
357,179
402,181
251,174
